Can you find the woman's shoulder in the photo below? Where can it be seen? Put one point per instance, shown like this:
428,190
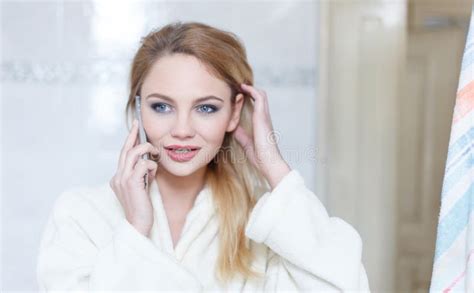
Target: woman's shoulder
91,212
86,200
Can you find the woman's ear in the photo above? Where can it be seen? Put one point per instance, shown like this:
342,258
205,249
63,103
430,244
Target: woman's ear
235,118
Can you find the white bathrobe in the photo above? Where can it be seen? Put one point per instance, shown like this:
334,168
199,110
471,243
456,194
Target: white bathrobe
89,245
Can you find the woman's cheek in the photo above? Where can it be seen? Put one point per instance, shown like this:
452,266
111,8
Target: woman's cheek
156,131
212,131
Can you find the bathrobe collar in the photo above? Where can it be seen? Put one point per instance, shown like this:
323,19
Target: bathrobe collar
196,220
201,216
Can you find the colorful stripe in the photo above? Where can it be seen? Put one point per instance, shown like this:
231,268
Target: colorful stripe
453,268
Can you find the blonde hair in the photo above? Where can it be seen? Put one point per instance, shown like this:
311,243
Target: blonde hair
235,183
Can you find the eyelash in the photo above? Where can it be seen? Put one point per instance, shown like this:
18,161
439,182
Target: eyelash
212,107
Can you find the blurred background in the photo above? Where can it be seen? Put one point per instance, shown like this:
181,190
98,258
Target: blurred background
361,93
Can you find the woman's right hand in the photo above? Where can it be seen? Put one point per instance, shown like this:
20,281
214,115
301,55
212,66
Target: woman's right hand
128,183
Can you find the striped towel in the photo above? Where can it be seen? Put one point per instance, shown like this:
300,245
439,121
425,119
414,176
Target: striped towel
453,269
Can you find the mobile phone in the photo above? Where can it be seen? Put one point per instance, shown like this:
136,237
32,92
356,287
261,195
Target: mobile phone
141,131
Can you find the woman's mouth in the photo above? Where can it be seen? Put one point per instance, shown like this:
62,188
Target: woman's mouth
182,154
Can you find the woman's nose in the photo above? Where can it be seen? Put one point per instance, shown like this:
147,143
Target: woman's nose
182,127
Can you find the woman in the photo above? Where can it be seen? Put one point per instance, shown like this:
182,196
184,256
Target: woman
223,210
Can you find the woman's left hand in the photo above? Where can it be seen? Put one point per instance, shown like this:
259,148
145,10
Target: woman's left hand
261,146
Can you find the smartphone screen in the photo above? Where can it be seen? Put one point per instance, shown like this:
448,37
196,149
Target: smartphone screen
141,130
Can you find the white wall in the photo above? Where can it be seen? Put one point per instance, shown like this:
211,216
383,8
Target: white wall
363,48
63,76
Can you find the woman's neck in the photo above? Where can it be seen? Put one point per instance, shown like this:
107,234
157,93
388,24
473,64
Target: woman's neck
178,193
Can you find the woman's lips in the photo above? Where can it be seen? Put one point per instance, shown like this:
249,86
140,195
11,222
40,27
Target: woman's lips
177,146
181,157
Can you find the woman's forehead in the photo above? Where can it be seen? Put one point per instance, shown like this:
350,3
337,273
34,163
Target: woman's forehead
183,76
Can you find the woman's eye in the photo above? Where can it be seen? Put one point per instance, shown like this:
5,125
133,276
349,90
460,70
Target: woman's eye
160,107
165,108
207,109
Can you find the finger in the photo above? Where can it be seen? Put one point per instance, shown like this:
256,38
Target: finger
265,100
134,154
130,142
259,100
246,142
242,137
141,168
146,165
261,107
263,94
152,167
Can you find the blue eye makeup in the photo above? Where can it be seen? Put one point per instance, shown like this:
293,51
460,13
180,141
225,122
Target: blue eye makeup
208,109
160,107
165,108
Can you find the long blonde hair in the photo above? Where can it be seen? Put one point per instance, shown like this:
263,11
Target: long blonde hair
235,183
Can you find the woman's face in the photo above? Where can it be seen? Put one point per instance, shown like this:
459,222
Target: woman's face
182,119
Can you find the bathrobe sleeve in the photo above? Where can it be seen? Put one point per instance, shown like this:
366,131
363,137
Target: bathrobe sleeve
70,257
308,249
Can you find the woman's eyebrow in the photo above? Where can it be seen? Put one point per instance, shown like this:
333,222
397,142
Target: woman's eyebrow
157,95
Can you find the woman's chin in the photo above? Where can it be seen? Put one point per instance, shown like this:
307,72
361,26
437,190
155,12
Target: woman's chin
181,169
